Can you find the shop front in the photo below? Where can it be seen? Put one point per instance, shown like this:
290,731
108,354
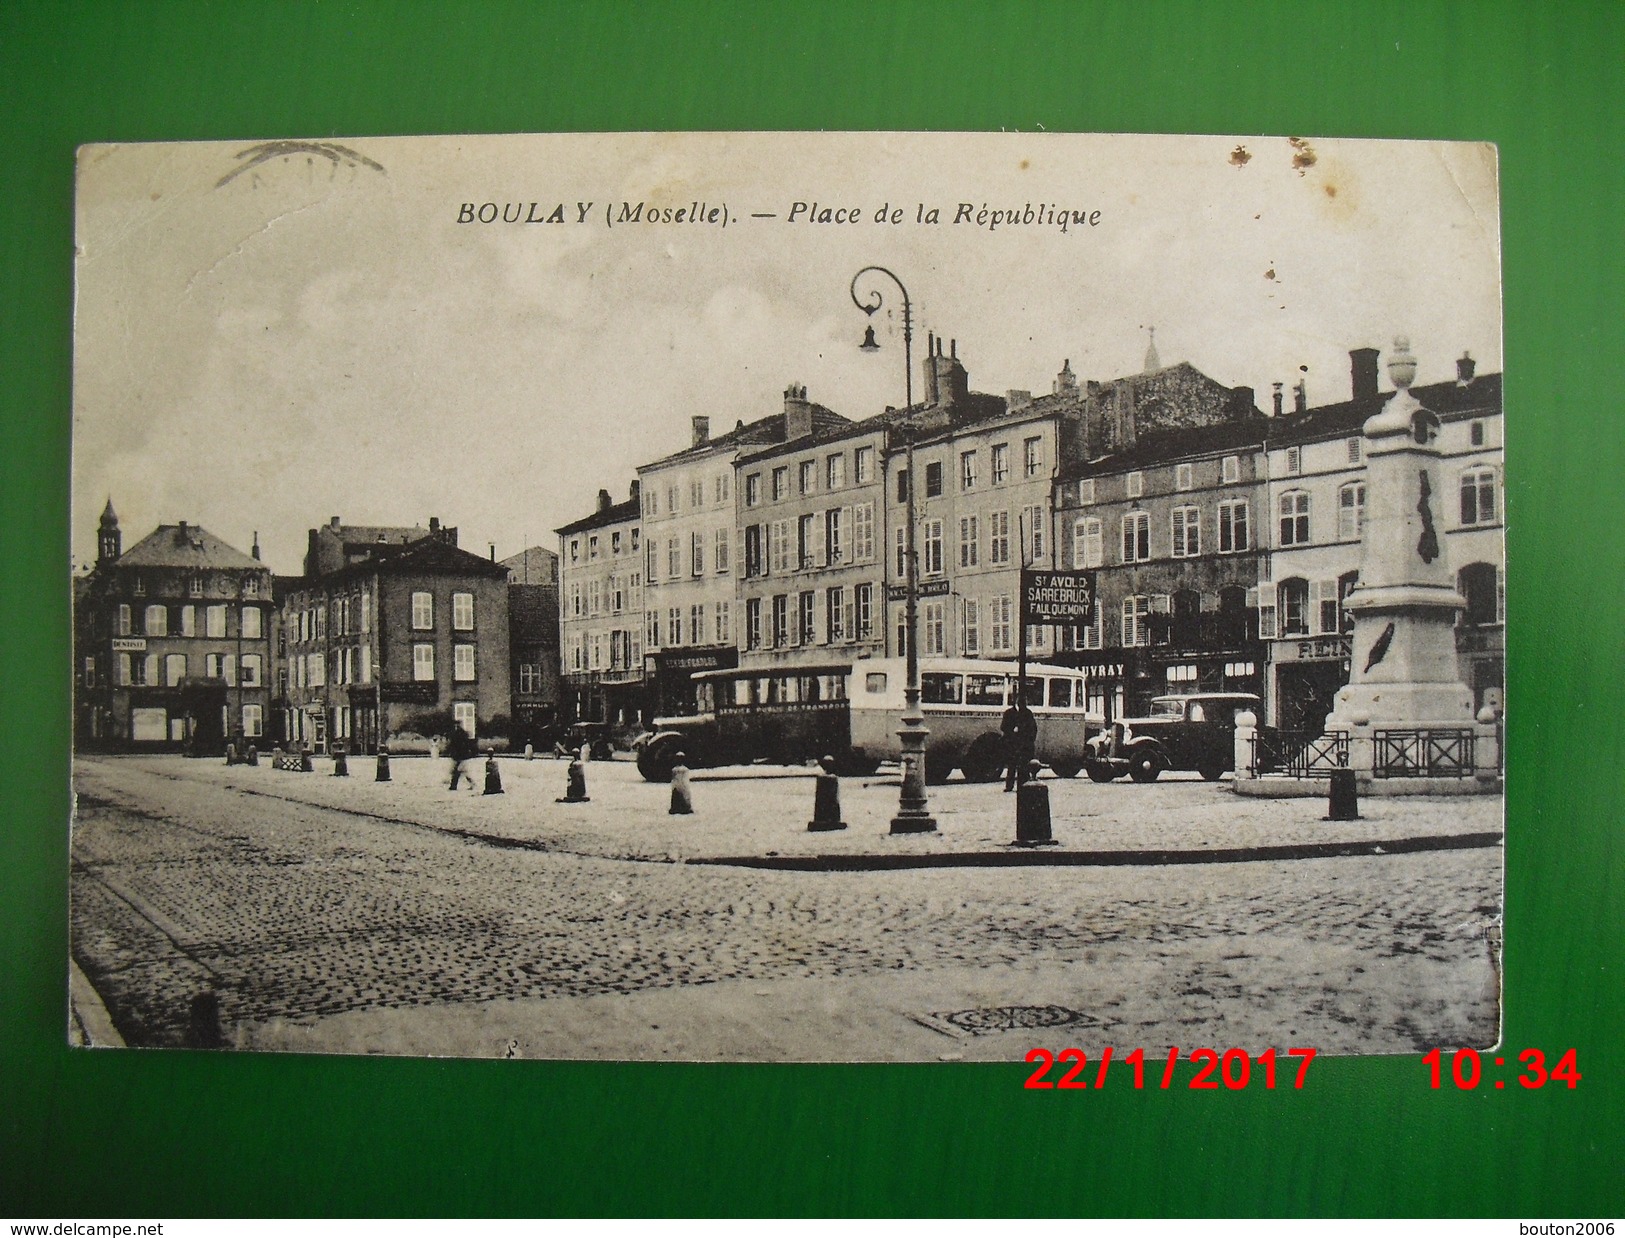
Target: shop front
1307,672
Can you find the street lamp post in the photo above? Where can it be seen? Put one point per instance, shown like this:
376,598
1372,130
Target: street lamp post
913,814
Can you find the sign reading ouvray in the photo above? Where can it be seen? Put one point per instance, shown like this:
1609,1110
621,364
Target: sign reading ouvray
1065,598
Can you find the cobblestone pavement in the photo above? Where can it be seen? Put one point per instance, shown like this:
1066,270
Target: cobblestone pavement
321,928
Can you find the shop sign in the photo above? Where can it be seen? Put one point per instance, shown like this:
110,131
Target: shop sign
1315,649
1058,598
129,644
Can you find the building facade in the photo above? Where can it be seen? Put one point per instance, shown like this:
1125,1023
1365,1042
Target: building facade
404,639
533,641
600,623
173,642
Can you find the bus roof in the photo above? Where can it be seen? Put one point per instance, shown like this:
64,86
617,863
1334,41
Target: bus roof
966,666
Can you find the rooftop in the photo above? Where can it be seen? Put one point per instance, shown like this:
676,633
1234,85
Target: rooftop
186,545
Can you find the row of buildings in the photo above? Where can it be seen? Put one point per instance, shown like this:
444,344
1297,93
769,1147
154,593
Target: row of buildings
389,635
1224,538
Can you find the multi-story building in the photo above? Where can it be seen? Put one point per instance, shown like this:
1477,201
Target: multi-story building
1316,505
394,635
533,641
173,641
601,591
812,541
689,516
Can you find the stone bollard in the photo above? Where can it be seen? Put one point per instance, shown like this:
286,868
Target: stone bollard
306,765
827,799
1343,803
576,784
341,763
434,750
493,780
253,757
682,799
1032,811
530,752
383,764
231,754
203,1021
276,757
1245,739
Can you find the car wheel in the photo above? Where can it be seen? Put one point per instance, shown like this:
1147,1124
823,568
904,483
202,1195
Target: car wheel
1144,766
1100,772
656,760
1066,769
1212,771
985,760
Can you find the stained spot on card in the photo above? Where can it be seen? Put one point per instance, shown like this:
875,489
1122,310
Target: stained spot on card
267,155
1270,274
1240,157
1025,164
1303,155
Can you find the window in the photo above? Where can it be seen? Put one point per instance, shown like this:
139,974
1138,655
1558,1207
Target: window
1351,509
617,594
1000,471
1294,512
902,485
1090,636
781,620
863,465
463,715
1184,477
933,629
1230,470
967,470
1294,460
834,610
674,558
998,537
1475,433
157,621
671,499
1003,623
575,550
753,489
150,668
1136,538
834,548
1293,596
969,539
139,587
753,550
933,547
252,671
1354,450
807,477
674,626
422,612
696,492
1325,606
970,627
251,586
423,663
863,597
592,547
781,482
900,541
723,487
317,672
696,623
462,612
194,587
1134,485
1478,496
835,471
651,627
651,558
595,596
462,663
1136,620
933,479
721,555
364,657
651,507
863,533
530,677
1088,543
1037,533
366,612
779,545
174,669
253,722
1187,532
121,621
214,621
1481,585
1032,457
696,554
1086,492
725,625
806,632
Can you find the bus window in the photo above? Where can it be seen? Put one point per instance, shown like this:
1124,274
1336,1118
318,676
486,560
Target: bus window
937,688
875,681
808,686
1033,691
790,689
834,687
1060,693
704,694
984,689
742,695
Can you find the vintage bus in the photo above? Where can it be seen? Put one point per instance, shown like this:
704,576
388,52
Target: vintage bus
851,712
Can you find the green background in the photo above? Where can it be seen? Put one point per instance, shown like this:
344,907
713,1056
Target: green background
176,1134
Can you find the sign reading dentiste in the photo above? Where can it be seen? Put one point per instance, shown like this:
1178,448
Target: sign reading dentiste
1058,598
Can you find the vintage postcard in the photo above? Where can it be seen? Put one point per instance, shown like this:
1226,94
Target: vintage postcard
790,597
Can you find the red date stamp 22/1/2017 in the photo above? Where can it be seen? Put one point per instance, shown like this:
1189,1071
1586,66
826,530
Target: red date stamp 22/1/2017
1233,1068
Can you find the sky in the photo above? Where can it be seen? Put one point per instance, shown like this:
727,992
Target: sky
270,335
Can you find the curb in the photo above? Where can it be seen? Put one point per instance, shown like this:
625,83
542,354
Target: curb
1105,859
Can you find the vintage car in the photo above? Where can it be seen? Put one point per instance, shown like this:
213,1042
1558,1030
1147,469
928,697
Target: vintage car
1192,732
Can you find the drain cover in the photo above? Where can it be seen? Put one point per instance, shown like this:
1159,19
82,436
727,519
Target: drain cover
988,1019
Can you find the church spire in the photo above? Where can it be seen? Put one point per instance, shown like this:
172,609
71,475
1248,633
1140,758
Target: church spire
109,542
1152,361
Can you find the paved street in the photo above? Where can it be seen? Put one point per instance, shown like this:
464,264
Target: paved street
344,914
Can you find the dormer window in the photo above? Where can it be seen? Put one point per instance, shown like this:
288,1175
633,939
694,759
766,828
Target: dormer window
194,587
1294,460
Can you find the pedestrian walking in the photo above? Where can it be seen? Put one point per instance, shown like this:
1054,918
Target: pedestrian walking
460,748
1020,731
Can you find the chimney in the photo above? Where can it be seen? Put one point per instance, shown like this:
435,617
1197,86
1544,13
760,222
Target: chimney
1242,402
434,526
637,490
183,532
1016,398
255,552
946,383
333,523
604,503
1363,372
1465,367
1300,397
798,417
702,431
493,546
1277,398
